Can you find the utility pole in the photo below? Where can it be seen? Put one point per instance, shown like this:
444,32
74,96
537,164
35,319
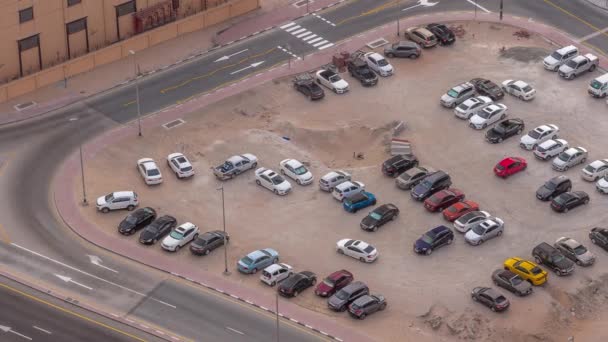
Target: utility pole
276,309
136,93
84,189
501,9
226,272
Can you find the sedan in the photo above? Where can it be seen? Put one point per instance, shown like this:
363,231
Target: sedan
458,209
357,249
575,251
484,230
595,170
599,236
504,129
379,216
149,171
488,88
297,283
180,165
157,229
136,220
471,106
488,116
490,298
272,181
510,166
366,305
550,148
412,177
433,239
464,223
257,260
519,89
333,283
602,185
443,199
538,135
180,236
296,171
527,270
569,158
512,282
208,242
569,200
310,89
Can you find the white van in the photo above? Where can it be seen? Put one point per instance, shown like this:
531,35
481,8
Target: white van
599,86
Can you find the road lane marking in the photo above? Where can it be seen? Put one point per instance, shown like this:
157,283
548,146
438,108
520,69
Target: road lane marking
371,11
298,31
326,46
128,103
4,235
292,28
589,36
314,40
478,6
43,330
10,330
301,35
69,280
324,20
287,25
236,331
320,43
309,37
287,52
95,260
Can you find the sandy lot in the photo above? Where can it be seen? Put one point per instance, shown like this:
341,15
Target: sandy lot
428,296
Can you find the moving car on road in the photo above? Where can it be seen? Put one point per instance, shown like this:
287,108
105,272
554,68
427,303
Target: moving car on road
504,129
117,200
275,273
296,171
569,200
136,220
554,187
257,260
519,89
574,251
208,241
180,236
510,166
180,165
538,135
157,229
235,165
527,270
333,283
433,239
272,181
490,298
379,216
569,158
550,148
332,81
367,305
551,257
149,171
512,282
296,283
357,249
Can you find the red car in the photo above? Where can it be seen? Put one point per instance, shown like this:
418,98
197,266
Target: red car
333,283
443,199
458,209
510,166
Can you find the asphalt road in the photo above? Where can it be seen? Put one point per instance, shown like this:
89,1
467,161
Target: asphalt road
36,244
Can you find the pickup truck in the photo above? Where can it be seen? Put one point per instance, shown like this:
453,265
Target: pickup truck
359,70
332,81
234,165
578,65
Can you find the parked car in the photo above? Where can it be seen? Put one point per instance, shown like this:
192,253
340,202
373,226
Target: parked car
484,230
332,179
398,164
430,184
403,48
412,177
595,170
180,236
433,239
157,230
421,36
458,209
551,257
471,107
599,236
208,241
490,298
550,148
598,87
332,81
444,35
488,88
358,69
379,64
309,88
578,65
464,222
347,189
333,283
457,95
272,181
296,171
443,199
510,166
504,129
602,185
136,220
149,171
487,116
276,273
519,89
538,136
357,249
574,251
366,305
180,165
296,283
554,187
235,165
559,57
527,270
257,260
348,294
569,200
361,200
569,158
512,282
117,200
379,216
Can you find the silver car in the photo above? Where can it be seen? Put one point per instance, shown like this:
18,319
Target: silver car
466,221
550,148
457,95
484,230
570,157
574,251
412,177
333,178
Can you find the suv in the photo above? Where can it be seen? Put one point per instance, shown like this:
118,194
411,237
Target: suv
117,200
404,48
431,184
359,70
340,300
458,95
559,57
442,32
550,148
421,36
367,305
398,164
546,254
347,189
333,178
554,187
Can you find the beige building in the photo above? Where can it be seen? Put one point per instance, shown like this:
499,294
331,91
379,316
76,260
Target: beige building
38,34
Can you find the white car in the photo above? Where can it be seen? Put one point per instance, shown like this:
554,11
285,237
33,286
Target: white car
148,169
595,170
569,158
272,181
559,57
519,89
296,171
538,135
117,200
471,106
332,81
347,189
488,116
550,148
378,63
357,249
466,221
602,185
274,273
180,165
180,236
333,178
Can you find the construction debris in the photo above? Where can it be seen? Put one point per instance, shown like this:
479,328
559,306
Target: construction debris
400,147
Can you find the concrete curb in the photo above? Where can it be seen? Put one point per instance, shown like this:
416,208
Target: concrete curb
603,4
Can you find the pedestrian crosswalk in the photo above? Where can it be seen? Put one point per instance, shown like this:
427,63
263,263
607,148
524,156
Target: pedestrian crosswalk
307,36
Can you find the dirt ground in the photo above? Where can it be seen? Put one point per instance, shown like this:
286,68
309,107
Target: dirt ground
428,296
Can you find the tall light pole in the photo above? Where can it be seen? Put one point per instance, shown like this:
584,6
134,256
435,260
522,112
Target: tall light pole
500,9
136,93
276,309
226,272
84,189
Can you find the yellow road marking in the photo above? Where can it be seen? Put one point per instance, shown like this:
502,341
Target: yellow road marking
128,103
75,314
4,235
371,11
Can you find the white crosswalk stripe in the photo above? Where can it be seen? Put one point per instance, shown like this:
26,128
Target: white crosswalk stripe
320,43
314,40
326,46
303,34
298,31
287,25
307,36
293,28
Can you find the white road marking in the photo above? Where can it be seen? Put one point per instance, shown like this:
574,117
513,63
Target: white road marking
320,43
594,34
287,25
424,3
236,331
478,6
69,280
298,31
223,58
315,40
303,34
309,37
292,28
326,46
43,330
252,65
9,330
95,260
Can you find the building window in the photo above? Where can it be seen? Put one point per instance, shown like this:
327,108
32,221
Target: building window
73,2
29,43
126,8
175,5
26,14
76,26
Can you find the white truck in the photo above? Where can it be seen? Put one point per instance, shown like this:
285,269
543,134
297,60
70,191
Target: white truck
578,65
599,86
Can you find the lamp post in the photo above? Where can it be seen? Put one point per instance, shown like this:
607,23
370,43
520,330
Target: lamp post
226,272
276,309
500,9
136,93
84,189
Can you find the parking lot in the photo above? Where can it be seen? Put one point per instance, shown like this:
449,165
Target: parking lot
274,122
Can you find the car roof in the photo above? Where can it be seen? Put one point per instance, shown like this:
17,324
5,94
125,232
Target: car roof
570,243
598,163
363,300
273,267
293,163
439,229
492,108
123,194
344,185
360,244
149,164
235,159
507,161
338,274
579,58
559,179
407,43
185,226
355,285
567,49
571,150
492,293
357,197
520,84
374,55
256,254
507,274
424,31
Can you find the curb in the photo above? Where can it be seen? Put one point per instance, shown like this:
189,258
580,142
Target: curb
597,3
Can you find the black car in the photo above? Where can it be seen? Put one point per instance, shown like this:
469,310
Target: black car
398,164
512,282
340,300
207,242
554,187
488,88
309,88
136,220
569,200
504,129
359,70
366,305
550,256
430,184
433,239
599,236
157,229
297,283
444,35
379,216
490,298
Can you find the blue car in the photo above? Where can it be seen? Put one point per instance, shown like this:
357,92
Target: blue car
433,239
359,201
258,260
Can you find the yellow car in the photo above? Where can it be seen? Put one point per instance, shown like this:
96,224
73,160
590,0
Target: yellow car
527,270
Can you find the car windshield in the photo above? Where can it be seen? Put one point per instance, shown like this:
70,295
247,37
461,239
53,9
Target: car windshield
467,217
550,185
187,168
596,85
452,209
557,55
527,89
328,282
226,166
534,134
478,229
590,168
153,172
500,299
485,113
109,198
342,295
335,78
131,219
426,184
453,93
561,199
571,63
536,270
464,106
499,129
516,281
375,216
558,258
564,156
246,260
499,167
382,62
428,237
580,249
368,249
181,160
300,171
276,180
176,235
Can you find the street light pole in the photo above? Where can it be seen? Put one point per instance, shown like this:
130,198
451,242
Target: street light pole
500,9
84,191
136,93
226,272
276,309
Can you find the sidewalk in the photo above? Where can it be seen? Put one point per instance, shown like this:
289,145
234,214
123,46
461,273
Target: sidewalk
600,3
